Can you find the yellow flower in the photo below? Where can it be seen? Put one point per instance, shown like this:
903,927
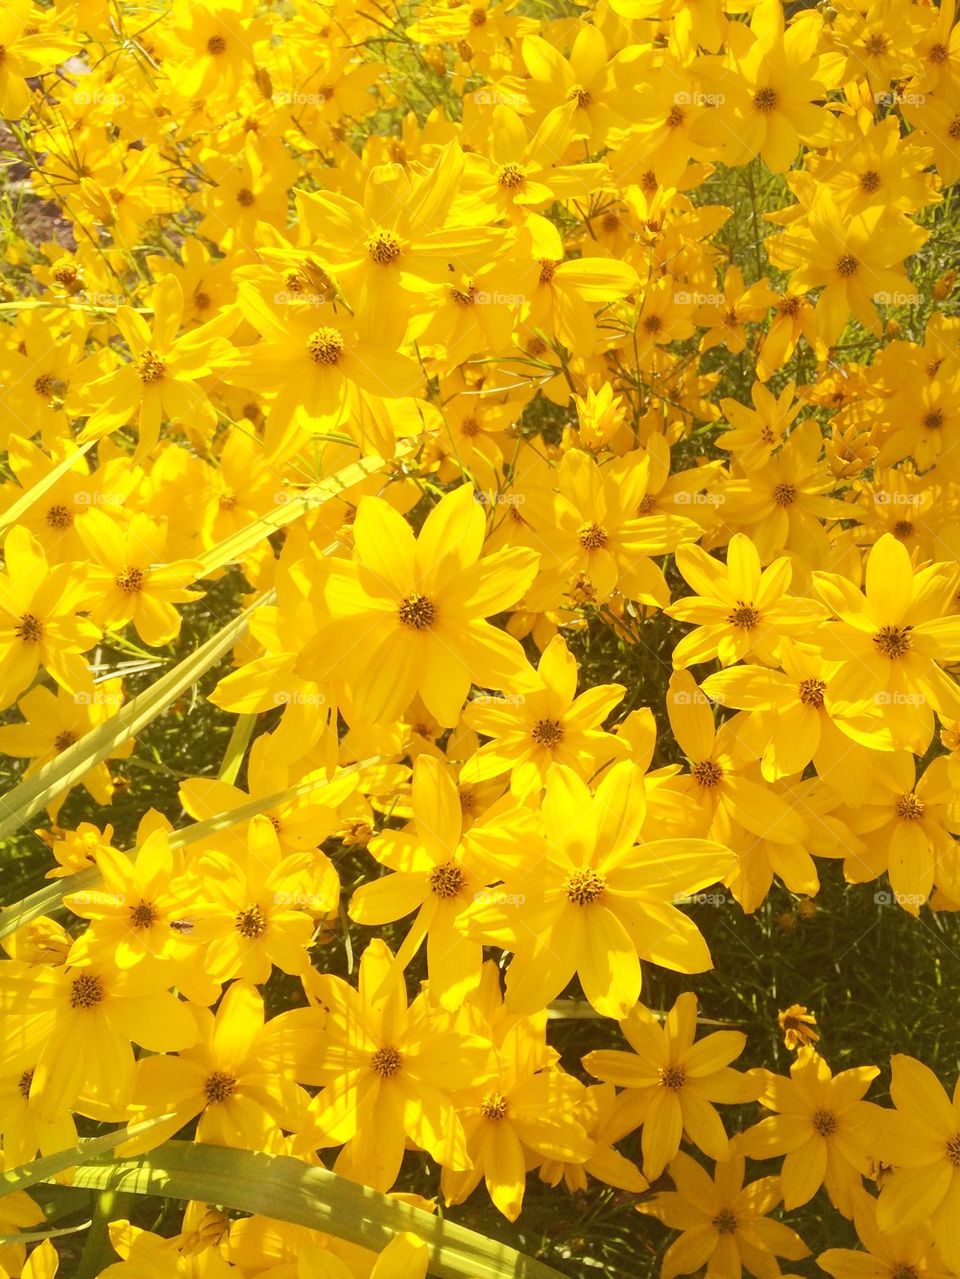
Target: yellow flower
923,1144
387,1072
822,1125
670,1082
724,1222
547,725
408,614
890,1254
596,902
798,1026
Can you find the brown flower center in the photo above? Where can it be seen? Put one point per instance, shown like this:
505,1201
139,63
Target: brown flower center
494,1106
765,99
511,176
130,580
245,198
847,265
216,45
143,915
219,1086
387,1061
59,517
894,641
744,617
811,692
447,880
87,991
547,732
584,887
325,345
29,629
417,611
384,247
909,808
870,182
784,495
592,537
725,1223
824,1122
673,1077
707,773
251,923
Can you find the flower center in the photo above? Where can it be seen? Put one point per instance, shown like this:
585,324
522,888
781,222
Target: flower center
876,44
902,529
464,297
216,45
938,53
384,247
725,1223
66,275
547,732
894,641
788,306
44,385
325,345
744,617
784,494
511,176
653,324
765,99
150,368
23,1084
933,420
143,915
447,880
811,692
584,887
386,1061
30,629
547,269
583,97
592,537
824,1122
245,198
673,1077
251,923
218,1087
478,18
86,991
675,118
708,773
63,740
417,611
130,580
909,808
494,1106
953,1150
870,182
847,265
59,517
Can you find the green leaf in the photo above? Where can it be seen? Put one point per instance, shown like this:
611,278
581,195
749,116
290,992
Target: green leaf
20,507
287,1189
49,1166
236,748
35,792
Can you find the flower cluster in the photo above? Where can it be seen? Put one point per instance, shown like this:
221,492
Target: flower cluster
548,417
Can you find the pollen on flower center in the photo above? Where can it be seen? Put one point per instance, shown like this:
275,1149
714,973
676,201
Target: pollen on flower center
86,991
464,297
325,345
387,1061
417,611
29,629
765,99
150,368
447,880
708,773
909,808
66,275
725,1223
143,915
547,732
847,265
384,247
652,324
23,1084
894,641
44,385
494,1106
902,529
584,887
744,617
824,1122
784,495
478,18
59,516
547,269
130,580
511,176
811,692
933,420
246,198
675,117
870,182
216,44
673,1077
583,97
592,536
219,1086
63,740
251,922
953,1150
876,44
